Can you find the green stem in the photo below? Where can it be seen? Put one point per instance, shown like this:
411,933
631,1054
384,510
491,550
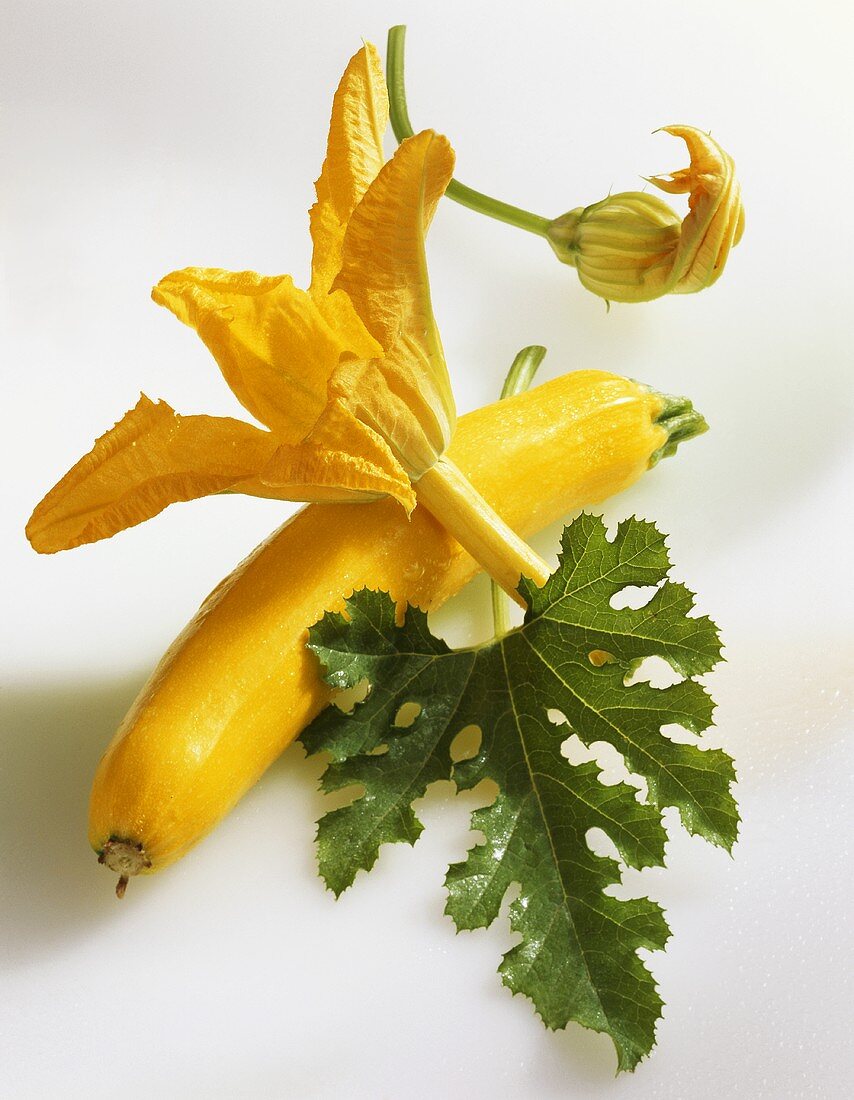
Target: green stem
519,378
522,370
680,420
459,192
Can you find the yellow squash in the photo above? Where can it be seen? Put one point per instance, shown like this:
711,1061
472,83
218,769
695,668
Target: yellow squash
238,685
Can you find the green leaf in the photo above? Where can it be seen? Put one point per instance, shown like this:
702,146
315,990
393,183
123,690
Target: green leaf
577,958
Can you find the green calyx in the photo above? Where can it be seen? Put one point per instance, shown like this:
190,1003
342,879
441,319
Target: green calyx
562,235
680,420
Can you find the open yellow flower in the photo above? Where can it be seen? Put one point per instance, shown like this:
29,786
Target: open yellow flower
348,378
631,247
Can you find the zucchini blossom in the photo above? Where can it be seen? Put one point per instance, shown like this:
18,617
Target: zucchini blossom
632,247
347,378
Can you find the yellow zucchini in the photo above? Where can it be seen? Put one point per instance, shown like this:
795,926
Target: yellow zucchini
238,685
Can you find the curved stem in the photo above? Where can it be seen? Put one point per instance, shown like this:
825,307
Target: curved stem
519,378
459,192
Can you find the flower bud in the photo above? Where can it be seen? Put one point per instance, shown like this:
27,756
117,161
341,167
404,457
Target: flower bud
632,247
622,247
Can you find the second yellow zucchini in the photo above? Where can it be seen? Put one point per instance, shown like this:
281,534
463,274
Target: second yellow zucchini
238,685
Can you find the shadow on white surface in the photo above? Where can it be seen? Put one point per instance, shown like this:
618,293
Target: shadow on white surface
53,736
786,716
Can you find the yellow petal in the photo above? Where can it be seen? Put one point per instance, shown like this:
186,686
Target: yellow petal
341,316
151,458
341,460
406,396
274,346
354,156
715,219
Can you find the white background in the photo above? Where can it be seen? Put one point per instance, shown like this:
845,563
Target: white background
143,136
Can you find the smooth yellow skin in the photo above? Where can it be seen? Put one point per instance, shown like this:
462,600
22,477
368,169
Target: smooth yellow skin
238,685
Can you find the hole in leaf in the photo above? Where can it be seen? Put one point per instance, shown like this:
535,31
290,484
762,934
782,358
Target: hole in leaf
466,744
557,717
482,794
346,796
599,657
514,893
634,596
678,734
406,715
654,671
437,799
347,699
612,766
611,762
575,751
500,927
379,750
600,844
